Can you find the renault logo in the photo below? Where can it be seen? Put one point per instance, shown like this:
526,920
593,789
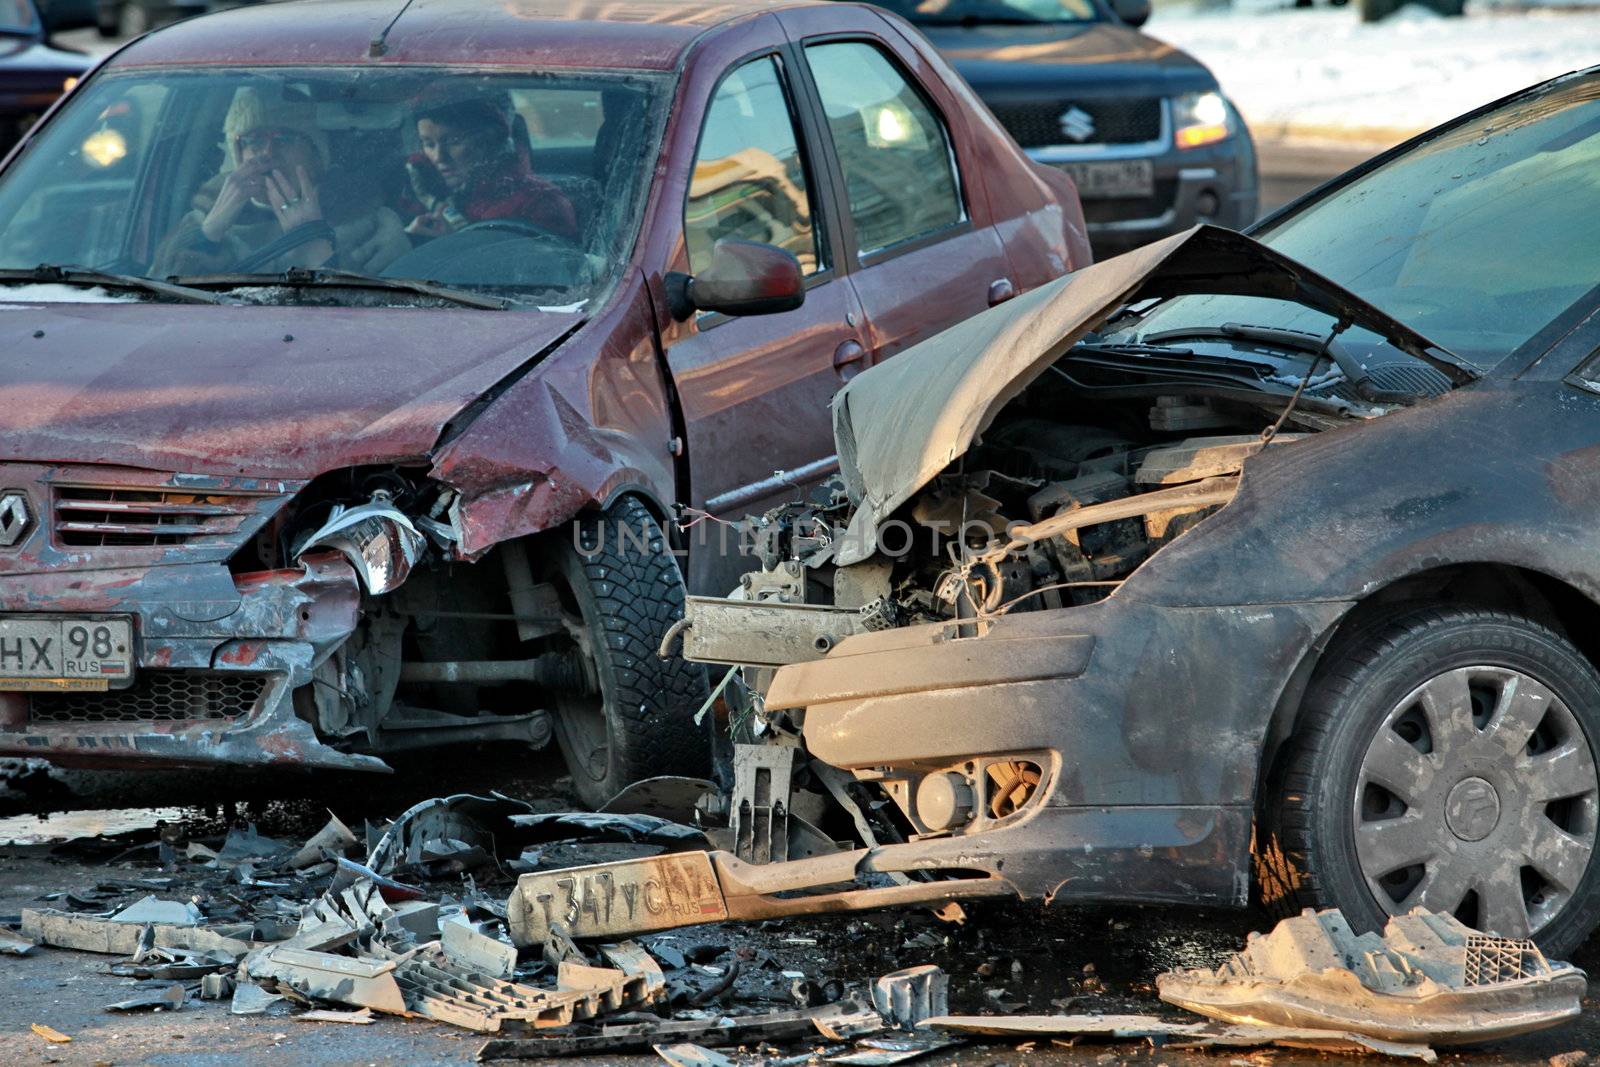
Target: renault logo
13,518
1077,124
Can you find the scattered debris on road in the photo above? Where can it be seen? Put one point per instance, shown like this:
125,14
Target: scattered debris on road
436,921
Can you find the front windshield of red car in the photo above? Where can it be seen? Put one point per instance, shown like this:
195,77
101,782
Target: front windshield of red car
523,186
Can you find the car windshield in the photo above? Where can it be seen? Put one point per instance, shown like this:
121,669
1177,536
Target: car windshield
18,16
516,186
1477,238
956,12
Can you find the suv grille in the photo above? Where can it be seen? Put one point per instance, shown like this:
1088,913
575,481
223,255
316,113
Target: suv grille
87,516
157,696
1115,121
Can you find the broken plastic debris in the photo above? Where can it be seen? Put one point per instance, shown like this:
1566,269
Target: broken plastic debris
14,944
88,934
477,945
251,999
335,837
55,1037
688,1055
164,912
1172,1034
169,999
1427,979
908,996
360,1017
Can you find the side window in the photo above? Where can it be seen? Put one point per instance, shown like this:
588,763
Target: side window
749,180
892,147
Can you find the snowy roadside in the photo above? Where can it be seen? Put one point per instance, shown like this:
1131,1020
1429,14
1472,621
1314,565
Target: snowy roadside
1320,74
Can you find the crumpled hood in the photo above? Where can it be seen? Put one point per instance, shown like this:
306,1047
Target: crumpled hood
271,392
899,424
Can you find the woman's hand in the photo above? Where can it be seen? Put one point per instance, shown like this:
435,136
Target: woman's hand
428,226
293,199
241,184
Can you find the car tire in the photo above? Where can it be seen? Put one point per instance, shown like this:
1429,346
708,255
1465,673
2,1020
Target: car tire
1378,10
1445,756
628,591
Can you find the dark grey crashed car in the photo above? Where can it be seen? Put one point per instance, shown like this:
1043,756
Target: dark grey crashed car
1228,561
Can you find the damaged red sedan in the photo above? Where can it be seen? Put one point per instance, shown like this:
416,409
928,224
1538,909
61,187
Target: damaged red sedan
1207,566
342,336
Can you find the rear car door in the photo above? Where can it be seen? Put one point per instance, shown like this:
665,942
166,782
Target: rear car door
924,254
755,390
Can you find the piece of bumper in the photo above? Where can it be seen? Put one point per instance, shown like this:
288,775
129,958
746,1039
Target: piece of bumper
1148,724
218,659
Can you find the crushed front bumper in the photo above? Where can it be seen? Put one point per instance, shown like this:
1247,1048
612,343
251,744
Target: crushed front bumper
218,658
1147,723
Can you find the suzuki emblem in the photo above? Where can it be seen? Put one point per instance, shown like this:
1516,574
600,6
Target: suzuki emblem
13,518
1077,124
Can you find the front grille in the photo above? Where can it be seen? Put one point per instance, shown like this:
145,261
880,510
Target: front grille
1036,125
157,696
90,516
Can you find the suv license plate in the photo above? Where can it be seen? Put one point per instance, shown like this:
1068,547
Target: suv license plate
42,653
1104,181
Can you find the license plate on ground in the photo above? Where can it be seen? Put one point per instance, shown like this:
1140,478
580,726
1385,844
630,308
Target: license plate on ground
1123,178
48,652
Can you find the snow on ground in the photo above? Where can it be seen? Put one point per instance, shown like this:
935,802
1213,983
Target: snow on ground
1322,74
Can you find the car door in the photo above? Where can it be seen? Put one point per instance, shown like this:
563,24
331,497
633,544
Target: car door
755,390
924,254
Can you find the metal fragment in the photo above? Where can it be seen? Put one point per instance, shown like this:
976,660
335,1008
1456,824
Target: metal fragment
908,996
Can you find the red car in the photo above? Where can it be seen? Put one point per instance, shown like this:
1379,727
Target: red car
361,367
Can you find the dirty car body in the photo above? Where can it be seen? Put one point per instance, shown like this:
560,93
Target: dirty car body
1204,566
308,498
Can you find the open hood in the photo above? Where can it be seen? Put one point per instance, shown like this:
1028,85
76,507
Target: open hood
899,424
265,391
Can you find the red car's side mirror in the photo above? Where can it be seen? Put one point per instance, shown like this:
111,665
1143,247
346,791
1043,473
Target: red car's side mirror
743,278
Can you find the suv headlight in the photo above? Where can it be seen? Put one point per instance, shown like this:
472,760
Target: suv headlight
1200,119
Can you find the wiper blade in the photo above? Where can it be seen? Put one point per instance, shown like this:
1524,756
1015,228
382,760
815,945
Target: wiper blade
1359,376
69,275
313,277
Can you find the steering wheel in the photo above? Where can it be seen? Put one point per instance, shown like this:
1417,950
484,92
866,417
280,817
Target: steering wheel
519,227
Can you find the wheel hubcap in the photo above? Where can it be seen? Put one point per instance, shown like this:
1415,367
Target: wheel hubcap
1478,797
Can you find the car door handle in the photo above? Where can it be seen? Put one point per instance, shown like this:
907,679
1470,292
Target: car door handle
1001,290
848,358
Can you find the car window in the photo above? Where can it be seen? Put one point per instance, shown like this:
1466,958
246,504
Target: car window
1476,237
894,151
514,183
749,179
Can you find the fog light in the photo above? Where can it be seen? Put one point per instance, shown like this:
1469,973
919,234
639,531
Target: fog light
1206,204
944,800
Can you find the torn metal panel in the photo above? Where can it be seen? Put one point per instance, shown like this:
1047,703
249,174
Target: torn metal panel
1428,978
763,633
762,777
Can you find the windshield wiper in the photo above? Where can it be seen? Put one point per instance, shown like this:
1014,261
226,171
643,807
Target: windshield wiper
70,275
324,277
1296,341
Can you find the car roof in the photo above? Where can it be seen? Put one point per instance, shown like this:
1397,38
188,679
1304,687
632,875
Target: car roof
621,34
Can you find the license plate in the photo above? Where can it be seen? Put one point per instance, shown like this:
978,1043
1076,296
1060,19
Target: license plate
42,653
617,899
1104,181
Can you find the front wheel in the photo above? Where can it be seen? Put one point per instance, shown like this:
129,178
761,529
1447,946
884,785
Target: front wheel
616,570
1445,759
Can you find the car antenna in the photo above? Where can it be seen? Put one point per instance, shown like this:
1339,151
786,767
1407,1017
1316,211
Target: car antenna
380,42
1316,361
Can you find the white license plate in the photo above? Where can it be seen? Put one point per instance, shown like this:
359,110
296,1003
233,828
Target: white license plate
45,652
1104,181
